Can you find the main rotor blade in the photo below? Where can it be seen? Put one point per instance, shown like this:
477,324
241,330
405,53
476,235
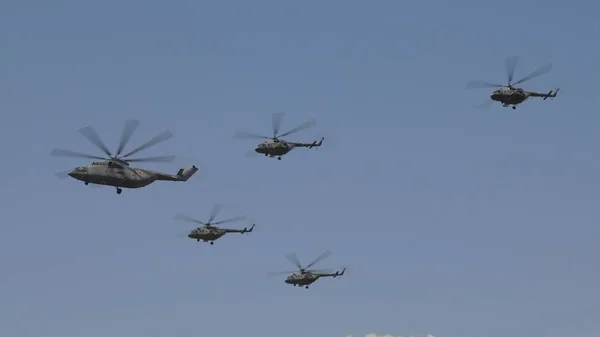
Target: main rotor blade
277,273
73,154
511,65
183,217
234,219
90,134
276,119
130,126
247,135
539,71
294,259
320,271
319,258
158,159
214,212
158,139
303,126
479,84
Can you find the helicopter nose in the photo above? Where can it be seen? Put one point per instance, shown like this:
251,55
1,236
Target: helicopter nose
74,174
190,236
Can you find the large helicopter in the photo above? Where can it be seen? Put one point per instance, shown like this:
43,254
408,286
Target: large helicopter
304,276
275,146
508,94
115,170
209,232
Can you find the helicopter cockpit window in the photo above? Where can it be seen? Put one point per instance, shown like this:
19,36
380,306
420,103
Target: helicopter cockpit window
81,169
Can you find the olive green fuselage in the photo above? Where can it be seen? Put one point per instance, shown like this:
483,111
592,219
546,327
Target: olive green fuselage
106,173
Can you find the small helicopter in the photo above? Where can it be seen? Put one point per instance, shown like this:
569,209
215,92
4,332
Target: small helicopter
276,147
304,276
115,170
209,232
508,94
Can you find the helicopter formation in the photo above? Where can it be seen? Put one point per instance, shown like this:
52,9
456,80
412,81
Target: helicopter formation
114,170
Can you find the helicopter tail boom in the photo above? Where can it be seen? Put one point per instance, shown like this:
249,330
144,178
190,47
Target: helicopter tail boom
316,144
338,273
246,230
552,93
241,231
182,174
185,174
310,145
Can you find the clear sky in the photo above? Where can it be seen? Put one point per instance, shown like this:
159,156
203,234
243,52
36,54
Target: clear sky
453,222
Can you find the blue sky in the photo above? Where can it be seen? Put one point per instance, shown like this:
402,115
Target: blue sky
453,221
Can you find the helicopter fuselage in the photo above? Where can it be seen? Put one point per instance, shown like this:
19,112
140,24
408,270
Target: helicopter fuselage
207,233
509,96
302,279
274,148
110,174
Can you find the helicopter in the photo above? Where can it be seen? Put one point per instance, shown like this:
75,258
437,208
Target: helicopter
275,146
209,232
115,170
304,276
508,94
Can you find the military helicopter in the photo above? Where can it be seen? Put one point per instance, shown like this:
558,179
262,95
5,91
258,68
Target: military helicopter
304,276
209,232
508,94
276,147
115,170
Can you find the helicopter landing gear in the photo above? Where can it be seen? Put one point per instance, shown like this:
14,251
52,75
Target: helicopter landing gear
514,107
212,243
119,190
197,240
278,158
86,183
306,287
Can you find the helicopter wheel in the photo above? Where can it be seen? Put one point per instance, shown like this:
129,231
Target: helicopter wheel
212,243
119,190
197,240
514,107
306,287
278,158
86,183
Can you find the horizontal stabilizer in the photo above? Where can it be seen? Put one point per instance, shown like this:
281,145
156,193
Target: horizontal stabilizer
185,174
